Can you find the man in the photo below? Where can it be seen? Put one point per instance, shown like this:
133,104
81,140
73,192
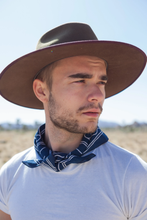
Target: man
72,172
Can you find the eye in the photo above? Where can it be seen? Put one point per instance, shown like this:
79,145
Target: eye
80,81
103,82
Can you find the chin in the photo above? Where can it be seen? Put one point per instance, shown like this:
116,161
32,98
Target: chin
92,130
89,129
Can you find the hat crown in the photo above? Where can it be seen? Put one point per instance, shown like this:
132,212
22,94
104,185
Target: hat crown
69,32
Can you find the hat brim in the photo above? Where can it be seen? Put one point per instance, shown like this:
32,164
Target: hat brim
125,64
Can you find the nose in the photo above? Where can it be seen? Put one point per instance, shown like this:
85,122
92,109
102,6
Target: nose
96,94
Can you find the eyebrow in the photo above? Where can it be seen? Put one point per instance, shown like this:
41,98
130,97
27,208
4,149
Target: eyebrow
87,76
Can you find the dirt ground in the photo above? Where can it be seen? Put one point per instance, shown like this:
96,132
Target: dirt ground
12,142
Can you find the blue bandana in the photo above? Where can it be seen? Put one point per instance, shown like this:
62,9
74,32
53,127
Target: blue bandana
57,160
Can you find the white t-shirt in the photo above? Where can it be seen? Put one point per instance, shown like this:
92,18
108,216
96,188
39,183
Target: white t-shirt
112,185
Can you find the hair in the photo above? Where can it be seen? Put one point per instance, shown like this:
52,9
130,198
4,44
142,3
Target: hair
45,75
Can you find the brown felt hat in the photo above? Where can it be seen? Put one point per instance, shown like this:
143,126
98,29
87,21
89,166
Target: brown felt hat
125,62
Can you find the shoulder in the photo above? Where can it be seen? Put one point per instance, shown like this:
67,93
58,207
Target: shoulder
123,154
19,156
111,150
15,162
121,159
117,151
14,169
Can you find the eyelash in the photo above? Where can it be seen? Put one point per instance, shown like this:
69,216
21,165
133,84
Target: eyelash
103,82
82,81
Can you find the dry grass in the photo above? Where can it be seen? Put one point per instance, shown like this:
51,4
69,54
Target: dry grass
135,142
12,142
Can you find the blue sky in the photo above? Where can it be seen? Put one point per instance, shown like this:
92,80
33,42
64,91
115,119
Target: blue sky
24,22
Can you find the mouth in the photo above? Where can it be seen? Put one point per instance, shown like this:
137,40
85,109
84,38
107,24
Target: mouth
92,113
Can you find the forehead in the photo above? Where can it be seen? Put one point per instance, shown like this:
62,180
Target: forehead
78,63
81,60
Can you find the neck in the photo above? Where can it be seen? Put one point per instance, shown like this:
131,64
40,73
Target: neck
61,140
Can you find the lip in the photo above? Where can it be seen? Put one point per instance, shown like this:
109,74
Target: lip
92,113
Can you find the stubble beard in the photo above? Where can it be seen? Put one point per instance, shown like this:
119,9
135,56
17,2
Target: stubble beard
66,121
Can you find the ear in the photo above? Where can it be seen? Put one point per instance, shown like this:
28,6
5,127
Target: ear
41,91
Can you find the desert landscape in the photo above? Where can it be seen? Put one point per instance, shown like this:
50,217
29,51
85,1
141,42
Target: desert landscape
15,141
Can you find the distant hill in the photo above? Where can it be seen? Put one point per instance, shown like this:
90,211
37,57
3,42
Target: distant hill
137,125
101,124
9,126
19,126
106,124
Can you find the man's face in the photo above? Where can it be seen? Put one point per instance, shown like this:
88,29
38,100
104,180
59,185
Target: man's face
77,95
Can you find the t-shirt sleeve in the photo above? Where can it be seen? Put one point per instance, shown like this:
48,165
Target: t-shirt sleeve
135,189
3,190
